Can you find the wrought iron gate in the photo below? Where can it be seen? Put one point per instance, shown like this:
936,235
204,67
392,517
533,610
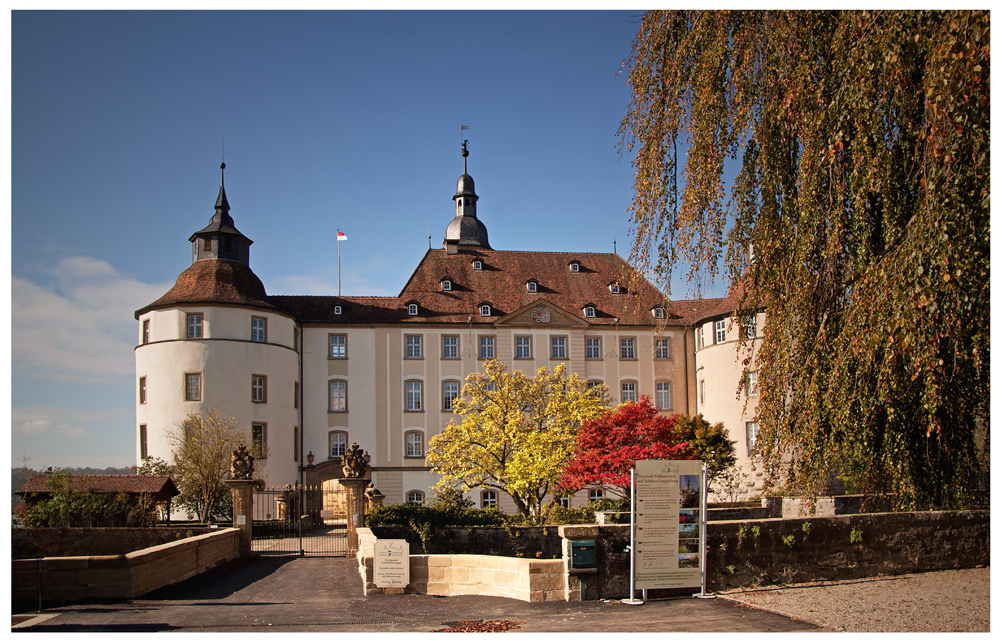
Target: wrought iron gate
299,520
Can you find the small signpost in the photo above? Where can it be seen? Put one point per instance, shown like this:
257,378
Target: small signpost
668,525
392,563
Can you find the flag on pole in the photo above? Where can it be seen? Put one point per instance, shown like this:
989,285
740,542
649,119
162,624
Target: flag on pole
341,236
464,127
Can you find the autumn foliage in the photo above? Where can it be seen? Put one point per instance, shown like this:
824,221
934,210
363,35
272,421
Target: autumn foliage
609,445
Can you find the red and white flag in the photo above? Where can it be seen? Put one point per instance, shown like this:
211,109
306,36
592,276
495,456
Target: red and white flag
341,236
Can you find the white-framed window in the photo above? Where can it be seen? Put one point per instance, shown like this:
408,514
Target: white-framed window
596,494
449,347
145,331
411,309
593,345
338,310
614,288
413,344
590,312
522,347
484,310
450,394
338,443
749,327
629,391
628,348
574,267
338,346
563,501
558,347
752,430
142,389
143,448
720,331
663,395
194,326
477,265
338,396
258,434
485,347
661,348
414,443
532,286
415,497
702,386
658,313
488,499
258,329
752,384
258,388
414,396
701,337
192,386
446,286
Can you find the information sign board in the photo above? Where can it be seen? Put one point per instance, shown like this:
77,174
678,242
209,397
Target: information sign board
668,515
392,563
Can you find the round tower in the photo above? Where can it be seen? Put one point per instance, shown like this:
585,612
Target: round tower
215,342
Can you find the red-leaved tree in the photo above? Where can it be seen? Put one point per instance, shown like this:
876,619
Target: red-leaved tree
608,446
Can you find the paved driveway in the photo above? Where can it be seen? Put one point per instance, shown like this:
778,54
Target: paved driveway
325,594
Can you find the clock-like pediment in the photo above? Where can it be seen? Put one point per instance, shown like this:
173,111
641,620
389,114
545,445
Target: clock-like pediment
541,313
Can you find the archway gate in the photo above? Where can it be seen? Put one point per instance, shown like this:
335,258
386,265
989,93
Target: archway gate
300,521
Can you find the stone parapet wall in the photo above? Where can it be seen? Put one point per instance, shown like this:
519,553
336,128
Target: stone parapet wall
32,543
530,580
67,579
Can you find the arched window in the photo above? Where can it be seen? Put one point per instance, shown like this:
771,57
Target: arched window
415,497
484,310
446,286
532,286
589,312
477,265
412,309
337,310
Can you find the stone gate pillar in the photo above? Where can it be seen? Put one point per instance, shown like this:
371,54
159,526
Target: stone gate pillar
354,482
242,490
242,485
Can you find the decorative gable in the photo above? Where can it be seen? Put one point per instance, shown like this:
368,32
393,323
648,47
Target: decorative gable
542,314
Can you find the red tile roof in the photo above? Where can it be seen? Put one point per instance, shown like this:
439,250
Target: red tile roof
214,281
501,283
161,485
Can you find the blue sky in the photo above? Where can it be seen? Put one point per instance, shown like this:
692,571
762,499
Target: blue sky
331,120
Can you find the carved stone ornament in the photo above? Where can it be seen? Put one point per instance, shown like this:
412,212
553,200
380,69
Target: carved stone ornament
354,462
241,464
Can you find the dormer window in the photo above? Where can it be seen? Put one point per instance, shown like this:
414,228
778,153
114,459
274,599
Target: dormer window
614,288
658,313
589,312
337,310
412,309
484,310
477,265
446,286
574,267
532,286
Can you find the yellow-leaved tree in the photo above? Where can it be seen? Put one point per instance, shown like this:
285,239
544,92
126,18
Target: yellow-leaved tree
517,433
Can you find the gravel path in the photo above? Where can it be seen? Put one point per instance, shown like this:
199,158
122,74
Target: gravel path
939,601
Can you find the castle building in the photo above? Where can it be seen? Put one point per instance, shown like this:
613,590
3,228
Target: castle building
310,375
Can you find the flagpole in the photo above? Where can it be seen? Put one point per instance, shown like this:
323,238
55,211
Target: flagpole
338,263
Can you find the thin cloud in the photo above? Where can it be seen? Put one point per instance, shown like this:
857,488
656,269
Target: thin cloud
79,327
42,426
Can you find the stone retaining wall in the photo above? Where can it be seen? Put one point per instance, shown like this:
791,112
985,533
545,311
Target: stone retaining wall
530,580
32,543
67,579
